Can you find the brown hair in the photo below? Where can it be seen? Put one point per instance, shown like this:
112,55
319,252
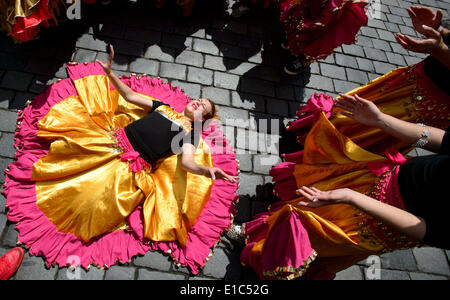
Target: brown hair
213,114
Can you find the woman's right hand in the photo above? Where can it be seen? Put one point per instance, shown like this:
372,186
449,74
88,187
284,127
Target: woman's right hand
318,198
107,66
359,109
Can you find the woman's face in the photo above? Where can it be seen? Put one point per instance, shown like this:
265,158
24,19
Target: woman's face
197,109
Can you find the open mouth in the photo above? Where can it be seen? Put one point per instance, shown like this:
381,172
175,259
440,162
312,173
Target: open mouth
194,106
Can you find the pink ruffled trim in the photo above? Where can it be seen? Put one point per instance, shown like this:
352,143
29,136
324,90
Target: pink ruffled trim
38,234
41,236
287,251
309,113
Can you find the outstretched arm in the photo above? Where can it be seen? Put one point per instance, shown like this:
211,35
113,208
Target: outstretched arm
366,112
399,220
188,163
126,92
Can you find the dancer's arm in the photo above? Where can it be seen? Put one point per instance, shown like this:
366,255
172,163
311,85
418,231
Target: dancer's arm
398,219
126,92
366,112
188,164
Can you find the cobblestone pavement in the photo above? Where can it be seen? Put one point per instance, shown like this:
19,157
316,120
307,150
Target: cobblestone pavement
236,62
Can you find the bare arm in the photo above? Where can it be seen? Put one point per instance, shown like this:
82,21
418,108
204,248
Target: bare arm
366,112
399,220
126,92
188,164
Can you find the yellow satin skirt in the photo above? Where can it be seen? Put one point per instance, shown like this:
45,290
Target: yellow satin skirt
83,186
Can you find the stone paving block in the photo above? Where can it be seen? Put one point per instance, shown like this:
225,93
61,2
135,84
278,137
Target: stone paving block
245,162
190,58
118,272
241,67
172,70
386,35
395,19
10,237
154,260
3,218
192,90
344,86
411,60
7,145
375,54
218,96
223,265
353,50
346,60
146,66
352,273
423,276
357,76
129,48
20,99
365,64
332,71
233,52
2,206
375,23
205,46
431,260
33,268
41,66
214,63
9,61
160,53
317,82
83,55
400,260
396,59
10,81
8,120
80,274
277,107
234,117
248,101
394,275
382,68
140,34
397,48
262,163
381,45
226,81
6,97
248,183
198,75
369,32
88,41
144,274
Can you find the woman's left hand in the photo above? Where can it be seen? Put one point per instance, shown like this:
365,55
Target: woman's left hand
320,198
432,44
217,173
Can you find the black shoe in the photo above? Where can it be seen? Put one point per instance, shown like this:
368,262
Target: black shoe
296,67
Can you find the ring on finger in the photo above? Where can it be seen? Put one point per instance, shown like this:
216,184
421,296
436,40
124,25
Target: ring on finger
315,200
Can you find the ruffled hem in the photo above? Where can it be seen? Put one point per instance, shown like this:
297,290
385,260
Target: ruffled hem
41,237
286,253
319,42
